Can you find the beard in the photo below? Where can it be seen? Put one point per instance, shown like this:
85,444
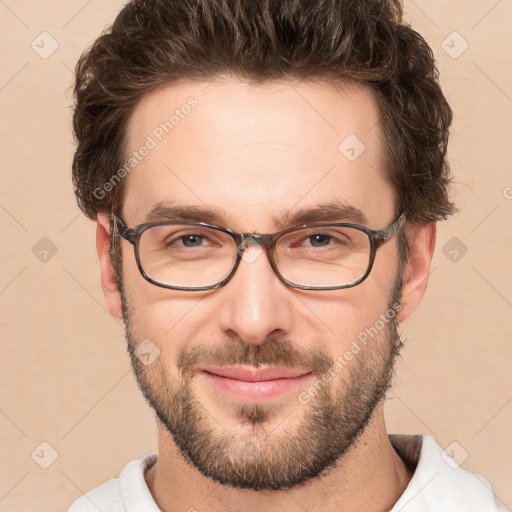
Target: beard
257,456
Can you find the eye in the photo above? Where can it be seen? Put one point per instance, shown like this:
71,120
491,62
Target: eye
191,240
319,239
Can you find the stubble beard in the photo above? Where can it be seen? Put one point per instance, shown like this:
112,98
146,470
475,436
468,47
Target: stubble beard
262,455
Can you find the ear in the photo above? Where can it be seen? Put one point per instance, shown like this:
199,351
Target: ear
422,242
108,280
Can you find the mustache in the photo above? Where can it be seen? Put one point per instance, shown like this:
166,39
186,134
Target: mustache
273,352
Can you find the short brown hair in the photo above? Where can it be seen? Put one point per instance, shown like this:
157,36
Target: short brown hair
154,43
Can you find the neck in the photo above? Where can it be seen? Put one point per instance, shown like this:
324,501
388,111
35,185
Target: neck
370,477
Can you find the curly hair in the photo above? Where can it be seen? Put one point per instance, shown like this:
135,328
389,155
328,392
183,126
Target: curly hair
153,43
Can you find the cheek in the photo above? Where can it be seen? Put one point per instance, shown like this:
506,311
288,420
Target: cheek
340,316
349,312
152,307
172,320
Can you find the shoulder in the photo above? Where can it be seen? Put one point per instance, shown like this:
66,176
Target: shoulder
120,494
107,496
439,483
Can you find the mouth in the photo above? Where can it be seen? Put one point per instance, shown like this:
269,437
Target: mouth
255,384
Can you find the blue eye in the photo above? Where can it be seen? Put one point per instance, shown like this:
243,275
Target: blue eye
192,240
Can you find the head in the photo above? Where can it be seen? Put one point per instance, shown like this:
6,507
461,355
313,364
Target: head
253,112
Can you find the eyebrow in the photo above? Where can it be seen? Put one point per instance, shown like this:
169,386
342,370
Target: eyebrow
335,211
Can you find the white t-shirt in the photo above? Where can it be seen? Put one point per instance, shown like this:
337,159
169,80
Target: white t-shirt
438,484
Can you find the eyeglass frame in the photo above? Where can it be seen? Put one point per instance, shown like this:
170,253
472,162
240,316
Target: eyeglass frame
268,241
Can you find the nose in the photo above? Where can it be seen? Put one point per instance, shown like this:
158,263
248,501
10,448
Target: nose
255,304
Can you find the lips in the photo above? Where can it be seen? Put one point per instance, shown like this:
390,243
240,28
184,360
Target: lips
249,374
254,384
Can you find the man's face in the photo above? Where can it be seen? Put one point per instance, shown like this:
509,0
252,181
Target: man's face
257,154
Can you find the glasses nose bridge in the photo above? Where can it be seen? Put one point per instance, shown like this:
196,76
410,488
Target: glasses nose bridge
264,240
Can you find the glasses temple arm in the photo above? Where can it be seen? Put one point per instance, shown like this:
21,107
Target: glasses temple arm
394,227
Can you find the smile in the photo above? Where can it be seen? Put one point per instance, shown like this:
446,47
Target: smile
255,384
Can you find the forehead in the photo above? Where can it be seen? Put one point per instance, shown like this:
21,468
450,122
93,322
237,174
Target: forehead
256,152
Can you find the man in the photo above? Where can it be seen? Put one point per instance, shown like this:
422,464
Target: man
266,177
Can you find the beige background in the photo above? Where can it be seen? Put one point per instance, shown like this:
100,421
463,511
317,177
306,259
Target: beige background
65,375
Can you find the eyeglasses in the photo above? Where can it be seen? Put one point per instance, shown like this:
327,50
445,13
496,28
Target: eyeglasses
195,256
